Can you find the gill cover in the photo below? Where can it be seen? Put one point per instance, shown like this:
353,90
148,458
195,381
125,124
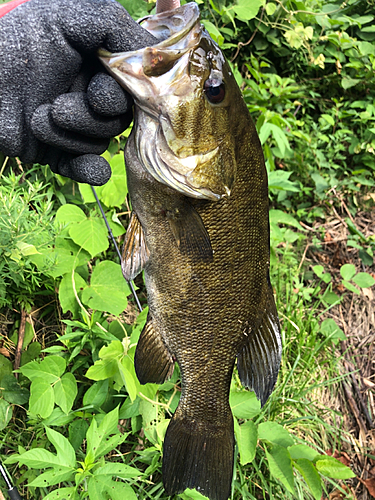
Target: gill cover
180,136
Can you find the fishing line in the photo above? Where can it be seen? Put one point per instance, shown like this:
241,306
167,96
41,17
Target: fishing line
116,246
12,490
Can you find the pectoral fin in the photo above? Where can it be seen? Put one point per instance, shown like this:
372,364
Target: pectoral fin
135,252
259,360
153,362
189,232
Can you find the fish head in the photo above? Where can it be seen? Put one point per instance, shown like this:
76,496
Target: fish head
188,105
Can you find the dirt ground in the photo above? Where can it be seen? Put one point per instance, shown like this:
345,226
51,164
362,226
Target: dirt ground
355,315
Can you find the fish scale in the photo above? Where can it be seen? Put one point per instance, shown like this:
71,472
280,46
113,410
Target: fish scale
204,250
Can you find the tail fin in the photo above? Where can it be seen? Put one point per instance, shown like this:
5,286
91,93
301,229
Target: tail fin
198,455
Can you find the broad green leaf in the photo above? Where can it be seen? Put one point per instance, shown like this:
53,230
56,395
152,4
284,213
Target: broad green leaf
128,376
62,494
42,398
247,437
91,234
319,271
77,432
12,391
26,249
244,404
108,289
103,369
280,465
6,413
348,82
329,119
302,451
38,458
58,418
364,280
270,8
67,296
330,467
65,392
278,179
311,476
119,470
275,433
68,213
189,494
98,435
351,287
280,217
213,31
50,369
104,488
53,476
64,449
96,394
330,329
247,9
347,271
6,367
113,193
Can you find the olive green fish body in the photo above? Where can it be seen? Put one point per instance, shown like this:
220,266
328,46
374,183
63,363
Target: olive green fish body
200,231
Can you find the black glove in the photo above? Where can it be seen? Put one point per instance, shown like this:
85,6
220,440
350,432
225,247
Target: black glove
57,105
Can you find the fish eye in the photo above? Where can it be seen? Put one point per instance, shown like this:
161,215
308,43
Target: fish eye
214,90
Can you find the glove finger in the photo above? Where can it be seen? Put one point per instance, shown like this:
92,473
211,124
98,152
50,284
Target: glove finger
107,97
89,169
48,132
72,112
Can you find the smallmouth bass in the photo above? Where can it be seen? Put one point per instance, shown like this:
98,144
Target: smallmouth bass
199,229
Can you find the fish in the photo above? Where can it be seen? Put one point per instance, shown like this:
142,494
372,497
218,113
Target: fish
199,230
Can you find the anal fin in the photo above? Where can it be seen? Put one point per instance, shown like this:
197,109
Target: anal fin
189,231
153,362
135,252
259,360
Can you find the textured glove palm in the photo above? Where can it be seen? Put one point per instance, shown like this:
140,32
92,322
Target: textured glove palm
57,106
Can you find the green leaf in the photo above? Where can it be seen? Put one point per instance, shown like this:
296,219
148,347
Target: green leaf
53,476
347,271
330,467
67,296
351,287
329,119
348,82
280,465
77,432
119,470
64,449
91,234
189,494
270,8
128,376
113,193
38,458
278,179
213,31
330,329
108,289
246,436
247,9
6,367
364,280
6,413
69,213
104,488
50,369
275,433
62,494
12,391
244,404
97,436
65,391
310,475
107,366
280,217
96,394
302,451
42,398
354,230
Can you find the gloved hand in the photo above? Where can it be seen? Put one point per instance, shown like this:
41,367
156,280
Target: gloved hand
57,105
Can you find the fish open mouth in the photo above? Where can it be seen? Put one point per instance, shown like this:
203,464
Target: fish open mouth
158,79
